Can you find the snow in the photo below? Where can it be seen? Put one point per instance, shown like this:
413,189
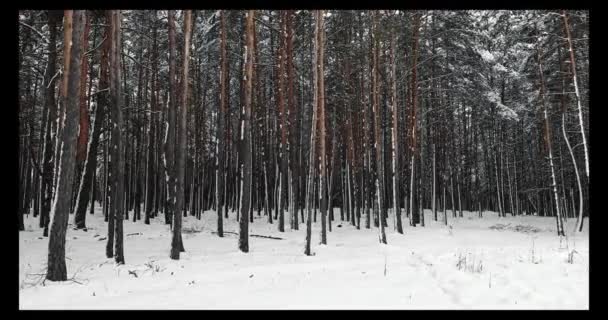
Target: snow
511,263
486,55
504,110
242,129
499,68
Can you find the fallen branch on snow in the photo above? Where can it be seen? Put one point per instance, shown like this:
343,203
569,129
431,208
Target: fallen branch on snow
253,235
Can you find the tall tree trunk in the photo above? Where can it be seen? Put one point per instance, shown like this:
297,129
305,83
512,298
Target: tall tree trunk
434,203
87,180
579,221
498,197
414,111
118,152
245,141
445,210
313,132
395,136
151,194
453,203
73,28
576,89
560,227
50,124
83,135
320,37
511,206
294,127
282,192
221,115
177,244
171,128
377,128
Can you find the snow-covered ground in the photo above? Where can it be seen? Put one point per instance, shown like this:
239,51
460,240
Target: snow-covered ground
487,263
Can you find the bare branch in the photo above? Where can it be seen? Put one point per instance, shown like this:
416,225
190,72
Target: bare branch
34,29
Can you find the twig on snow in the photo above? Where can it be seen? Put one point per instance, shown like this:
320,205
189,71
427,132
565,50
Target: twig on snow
253,235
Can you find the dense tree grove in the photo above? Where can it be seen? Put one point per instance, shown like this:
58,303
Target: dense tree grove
287,114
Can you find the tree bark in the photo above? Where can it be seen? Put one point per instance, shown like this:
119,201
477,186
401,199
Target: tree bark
379,145
73,28
395,137
171,128
320,37
118,152
245,140
177,244
50,124
220,136
576,89
83,135
87,180
560,227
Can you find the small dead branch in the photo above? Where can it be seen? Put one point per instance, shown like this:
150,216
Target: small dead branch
571,256
191,230
385,265
74,280
526,229
42,36
467,263
151,266
32,280
267,237
252,235
500,226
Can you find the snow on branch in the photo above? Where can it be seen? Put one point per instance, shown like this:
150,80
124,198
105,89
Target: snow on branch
504,111
34,29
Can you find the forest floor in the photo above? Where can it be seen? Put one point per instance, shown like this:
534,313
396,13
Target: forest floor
473,263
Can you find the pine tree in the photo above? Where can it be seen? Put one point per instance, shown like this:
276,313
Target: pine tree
245,139
73,29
